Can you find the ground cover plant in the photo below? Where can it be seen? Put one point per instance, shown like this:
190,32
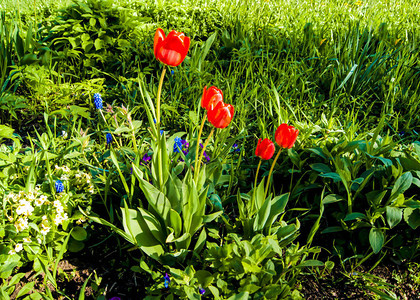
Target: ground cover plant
212,149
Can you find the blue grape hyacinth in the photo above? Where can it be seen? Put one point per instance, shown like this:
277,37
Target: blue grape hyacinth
167,280
59,186
108,138
97,99
177,144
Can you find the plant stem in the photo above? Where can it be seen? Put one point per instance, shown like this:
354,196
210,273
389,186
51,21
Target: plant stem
158,96
202,153
271,171
198,142
256,175
255,185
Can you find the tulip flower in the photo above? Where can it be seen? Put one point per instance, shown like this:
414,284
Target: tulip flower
220,115
171,50
286,135
265,149
211,97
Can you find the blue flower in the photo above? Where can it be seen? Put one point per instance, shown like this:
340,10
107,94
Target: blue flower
97,99
177,144
108,138
201,291
172,72
236,148
161,131
167,280
59,186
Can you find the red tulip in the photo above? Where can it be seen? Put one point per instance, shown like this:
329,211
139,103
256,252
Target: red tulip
286,135
220,115
265,149
171,50
211,97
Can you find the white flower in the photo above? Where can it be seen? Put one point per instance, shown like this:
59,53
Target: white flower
45,229
39,240
41,200
11,252
64,177
64,134
18,247
24,208
66,169
21,224
27,240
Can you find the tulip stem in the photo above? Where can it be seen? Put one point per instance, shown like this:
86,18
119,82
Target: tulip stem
255,185
256,175
202,153
198,142
158,96
271,171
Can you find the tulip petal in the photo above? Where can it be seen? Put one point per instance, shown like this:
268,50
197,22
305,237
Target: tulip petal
159,37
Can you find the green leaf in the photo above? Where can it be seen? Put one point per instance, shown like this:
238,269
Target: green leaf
321,168
334,176
251,288
176,222
332,198
393,215
401,185
25,289
75,246
376,239
310,263
156,199
204,278
135,225
6,132
412,217
354,216
262,215
79,233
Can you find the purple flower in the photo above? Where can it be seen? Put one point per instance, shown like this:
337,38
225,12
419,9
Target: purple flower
146,158
167,280
201,291
205,154
115,298
59,186
108,138
97,99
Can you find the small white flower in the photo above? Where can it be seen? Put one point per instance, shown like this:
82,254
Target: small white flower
21,224
11,252
64,134
27,240
18,247
64,177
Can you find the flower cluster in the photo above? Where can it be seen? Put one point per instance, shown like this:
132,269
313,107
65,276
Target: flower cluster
23,208
97,99
181,145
